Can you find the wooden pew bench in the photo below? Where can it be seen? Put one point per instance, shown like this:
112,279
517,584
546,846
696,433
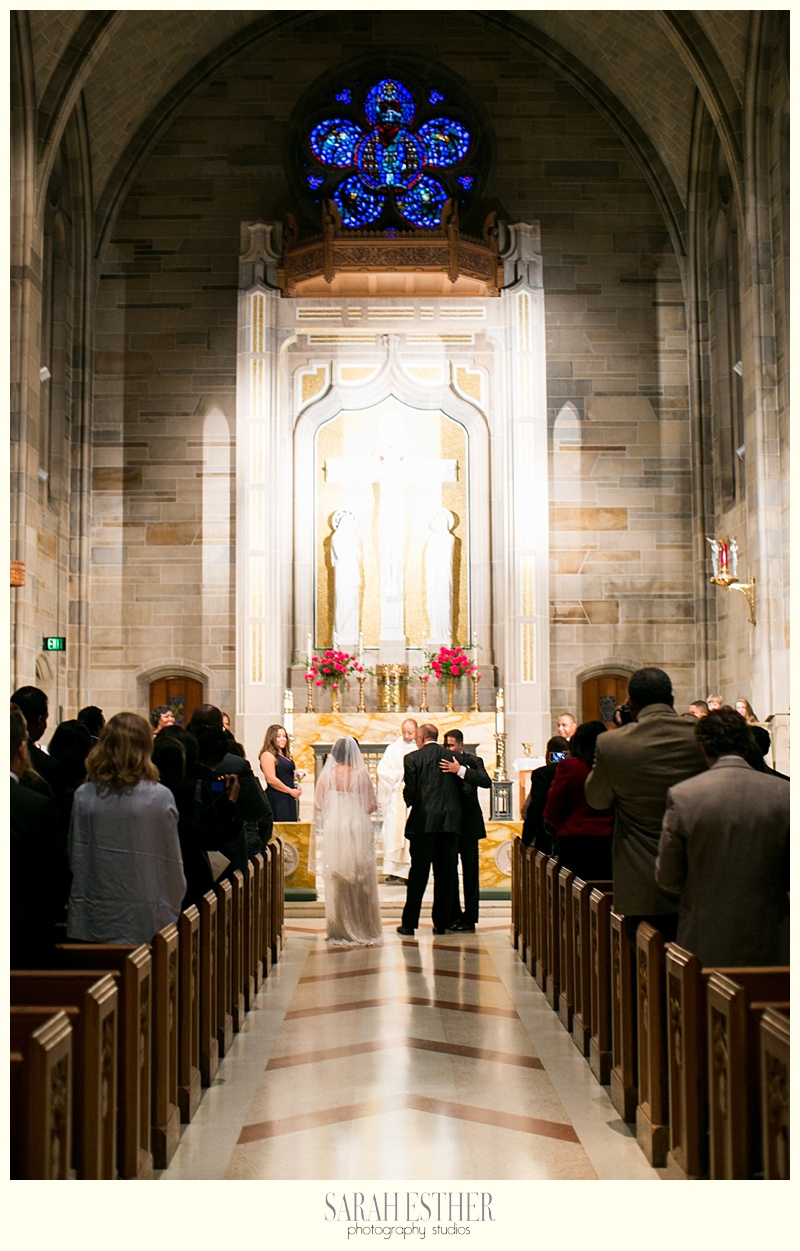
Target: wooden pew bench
582,961
209,998
189,1080
131,967
652,1112
165,1113
624,1092
775,1072
552,931
91,1006
600,984
40,1094
735,1006
539,968
517,849
566,951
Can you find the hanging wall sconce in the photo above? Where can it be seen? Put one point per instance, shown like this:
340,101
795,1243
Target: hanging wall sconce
724,565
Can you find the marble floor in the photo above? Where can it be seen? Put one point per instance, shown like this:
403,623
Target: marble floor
432,1056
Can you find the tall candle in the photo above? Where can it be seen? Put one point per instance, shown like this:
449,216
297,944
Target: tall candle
499,715
309,651
360,647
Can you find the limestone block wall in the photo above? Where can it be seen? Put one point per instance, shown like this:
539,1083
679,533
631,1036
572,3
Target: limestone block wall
163,484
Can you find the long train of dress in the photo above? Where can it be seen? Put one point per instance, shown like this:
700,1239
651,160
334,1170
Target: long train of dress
352,907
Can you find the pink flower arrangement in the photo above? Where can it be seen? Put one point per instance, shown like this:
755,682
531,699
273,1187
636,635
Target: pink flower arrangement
332,668
450,662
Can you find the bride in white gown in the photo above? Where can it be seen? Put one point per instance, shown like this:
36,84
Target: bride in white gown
345,797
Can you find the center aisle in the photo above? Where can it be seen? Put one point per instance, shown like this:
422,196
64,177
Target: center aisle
432,1056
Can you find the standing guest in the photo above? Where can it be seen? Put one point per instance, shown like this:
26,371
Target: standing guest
70,745
566,726
345,798
160,716
698,708
714,702
471,771
761,743
724,849
92,717
744,710
226,722
534,833
34,706
127,870
252,807
582,840
39,874
634,767
433,826
278,768
396,858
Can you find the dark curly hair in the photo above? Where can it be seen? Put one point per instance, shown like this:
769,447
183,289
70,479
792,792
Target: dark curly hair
724,732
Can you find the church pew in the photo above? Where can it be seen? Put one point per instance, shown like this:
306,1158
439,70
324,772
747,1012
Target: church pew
624,1092
529,905
735,1005
566,995
258,904
209,1041
132,968
540,913
552,932
189,1013
224,979
91,1004
516,894
581,962
600,984
267,910
652,1128
278,895
774,1072
237,951
248,937
40,1094
166,1113
688,1052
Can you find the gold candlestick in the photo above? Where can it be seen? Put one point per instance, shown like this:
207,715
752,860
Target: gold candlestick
475,705
310,700
423,707
361,679
500,771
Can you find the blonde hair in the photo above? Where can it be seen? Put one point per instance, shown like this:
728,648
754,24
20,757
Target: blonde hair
123,754
270,743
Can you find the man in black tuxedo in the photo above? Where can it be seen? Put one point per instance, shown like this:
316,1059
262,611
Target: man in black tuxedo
433,826
472,774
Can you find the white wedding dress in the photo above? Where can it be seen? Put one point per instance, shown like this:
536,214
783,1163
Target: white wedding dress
352,908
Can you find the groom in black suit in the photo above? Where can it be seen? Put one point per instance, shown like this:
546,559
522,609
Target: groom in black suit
433,826
472,773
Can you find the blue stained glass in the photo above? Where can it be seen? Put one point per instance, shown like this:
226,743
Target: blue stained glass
422,205
435,97
334,141
445,141
396,163
344,97
466,181
389,103
357,205
314,181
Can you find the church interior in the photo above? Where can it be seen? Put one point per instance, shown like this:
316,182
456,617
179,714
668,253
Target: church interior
373,333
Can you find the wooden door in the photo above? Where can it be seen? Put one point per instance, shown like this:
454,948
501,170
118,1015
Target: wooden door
181,694
601,695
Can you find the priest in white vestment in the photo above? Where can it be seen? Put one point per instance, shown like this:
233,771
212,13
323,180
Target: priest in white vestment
396,856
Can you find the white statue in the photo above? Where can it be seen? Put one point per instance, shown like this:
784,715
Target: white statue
439,577
347,578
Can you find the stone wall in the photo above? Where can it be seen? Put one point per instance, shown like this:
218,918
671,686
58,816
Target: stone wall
161,580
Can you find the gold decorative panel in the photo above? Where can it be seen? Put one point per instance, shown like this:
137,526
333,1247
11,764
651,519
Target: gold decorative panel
347,458
469,383
357,373
312,383
257,312
527,640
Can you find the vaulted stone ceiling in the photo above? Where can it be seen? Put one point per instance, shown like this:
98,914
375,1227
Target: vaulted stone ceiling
134,67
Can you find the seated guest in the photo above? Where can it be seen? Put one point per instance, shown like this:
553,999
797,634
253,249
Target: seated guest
533,828
724,849
38,865
582,840
127,869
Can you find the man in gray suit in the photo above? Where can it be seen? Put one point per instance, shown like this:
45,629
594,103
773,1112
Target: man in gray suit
725,849
634,767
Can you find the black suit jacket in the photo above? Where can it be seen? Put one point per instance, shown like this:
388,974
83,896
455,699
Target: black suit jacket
39,877
471,811
433,797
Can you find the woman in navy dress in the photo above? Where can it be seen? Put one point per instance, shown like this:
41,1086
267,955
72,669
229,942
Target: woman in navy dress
278,768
